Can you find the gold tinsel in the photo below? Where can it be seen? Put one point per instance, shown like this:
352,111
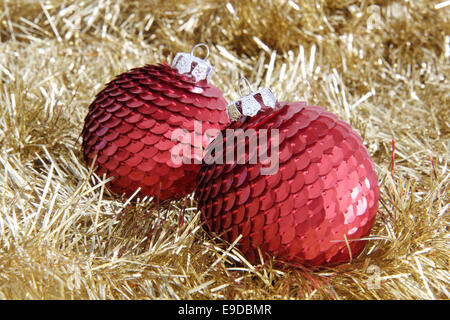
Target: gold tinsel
383,66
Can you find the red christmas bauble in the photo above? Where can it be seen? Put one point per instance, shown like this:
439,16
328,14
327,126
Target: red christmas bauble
137,121
320,201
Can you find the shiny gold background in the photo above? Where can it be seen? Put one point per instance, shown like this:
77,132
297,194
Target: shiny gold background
383,66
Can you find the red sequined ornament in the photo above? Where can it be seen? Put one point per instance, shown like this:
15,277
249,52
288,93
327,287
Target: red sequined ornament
146,127
320,201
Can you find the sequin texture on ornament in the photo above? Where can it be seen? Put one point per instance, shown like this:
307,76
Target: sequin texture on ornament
321,200
131,127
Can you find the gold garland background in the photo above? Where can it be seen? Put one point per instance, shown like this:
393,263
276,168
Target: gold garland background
383,66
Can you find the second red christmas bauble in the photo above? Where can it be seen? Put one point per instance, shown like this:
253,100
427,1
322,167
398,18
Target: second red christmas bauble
295,182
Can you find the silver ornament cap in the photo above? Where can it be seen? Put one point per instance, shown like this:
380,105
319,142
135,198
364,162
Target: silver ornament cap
188,64
250,104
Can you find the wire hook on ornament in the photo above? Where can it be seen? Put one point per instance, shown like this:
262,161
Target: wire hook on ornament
201,44
240,86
